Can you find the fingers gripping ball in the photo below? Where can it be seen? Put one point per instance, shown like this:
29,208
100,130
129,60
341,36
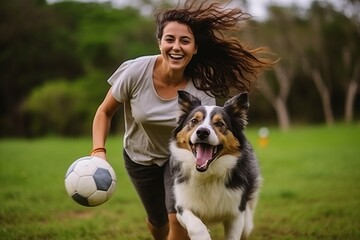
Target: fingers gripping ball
90,181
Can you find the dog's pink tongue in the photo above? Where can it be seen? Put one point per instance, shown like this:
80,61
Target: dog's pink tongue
203,154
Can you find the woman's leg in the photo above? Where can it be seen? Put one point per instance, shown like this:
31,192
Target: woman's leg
158,233
149,184
177,232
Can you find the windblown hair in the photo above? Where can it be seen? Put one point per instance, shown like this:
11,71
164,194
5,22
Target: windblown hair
221,63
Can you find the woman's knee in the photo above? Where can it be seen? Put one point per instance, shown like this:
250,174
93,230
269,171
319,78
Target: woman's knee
158,233
177,232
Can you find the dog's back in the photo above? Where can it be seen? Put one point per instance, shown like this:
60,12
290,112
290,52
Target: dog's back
216,172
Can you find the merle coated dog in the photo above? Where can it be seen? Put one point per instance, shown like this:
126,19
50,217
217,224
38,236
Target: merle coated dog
217,177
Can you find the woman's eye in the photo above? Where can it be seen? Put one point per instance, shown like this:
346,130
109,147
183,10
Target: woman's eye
169,39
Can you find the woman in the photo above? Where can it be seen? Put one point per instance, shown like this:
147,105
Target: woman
194,56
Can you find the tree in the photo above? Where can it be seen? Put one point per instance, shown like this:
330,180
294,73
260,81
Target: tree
64,108
320,44
336,52
278,33
34,47
351,55
65,40
352,86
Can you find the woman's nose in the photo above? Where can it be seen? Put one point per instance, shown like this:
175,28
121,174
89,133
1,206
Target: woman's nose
176,45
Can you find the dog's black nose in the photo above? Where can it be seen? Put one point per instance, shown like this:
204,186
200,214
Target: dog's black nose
202,133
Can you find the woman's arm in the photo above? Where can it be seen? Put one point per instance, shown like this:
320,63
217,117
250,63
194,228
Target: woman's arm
101,124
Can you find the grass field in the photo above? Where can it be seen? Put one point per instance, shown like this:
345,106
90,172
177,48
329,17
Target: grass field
310,190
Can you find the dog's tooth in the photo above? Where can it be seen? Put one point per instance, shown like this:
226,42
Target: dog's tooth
193,148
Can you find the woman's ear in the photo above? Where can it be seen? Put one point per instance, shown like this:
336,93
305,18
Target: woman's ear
196,50
159,44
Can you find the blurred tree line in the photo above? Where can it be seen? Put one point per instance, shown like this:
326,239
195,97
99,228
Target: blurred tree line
55,59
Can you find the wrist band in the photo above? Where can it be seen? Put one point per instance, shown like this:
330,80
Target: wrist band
98,150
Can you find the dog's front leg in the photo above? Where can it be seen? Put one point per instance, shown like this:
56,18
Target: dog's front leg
234,228
195,227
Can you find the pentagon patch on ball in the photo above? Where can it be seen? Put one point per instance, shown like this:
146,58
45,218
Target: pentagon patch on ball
90,181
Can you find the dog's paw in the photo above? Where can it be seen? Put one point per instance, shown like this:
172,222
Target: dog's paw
199,233
196,229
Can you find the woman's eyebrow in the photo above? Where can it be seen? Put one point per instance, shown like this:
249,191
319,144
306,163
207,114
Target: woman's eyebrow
170,35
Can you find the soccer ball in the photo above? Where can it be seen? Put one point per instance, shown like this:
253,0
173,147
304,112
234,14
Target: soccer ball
90,181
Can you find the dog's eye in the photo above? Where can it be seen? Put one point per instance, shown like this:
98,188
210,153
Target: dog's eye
219,124
194,121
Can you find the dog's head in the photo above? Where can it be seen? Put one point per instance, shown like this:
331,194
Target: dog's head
210,132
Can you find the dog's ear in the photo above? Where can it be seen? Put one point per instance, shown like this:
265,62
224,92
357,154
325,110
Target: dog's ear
187,102
239,102
238,106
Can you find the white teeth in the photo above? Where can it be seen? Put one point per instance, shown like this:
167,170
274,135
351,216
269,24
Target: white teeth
178,56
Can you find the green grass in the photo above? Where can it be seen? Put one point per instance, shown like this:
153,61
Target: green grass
310,189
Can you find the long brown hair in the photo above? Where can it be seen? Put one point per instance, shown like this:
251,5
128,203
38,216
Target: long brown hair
221,62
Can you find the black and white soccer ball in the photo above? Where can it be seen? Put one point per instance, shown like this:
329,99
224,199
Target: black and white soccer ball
90,181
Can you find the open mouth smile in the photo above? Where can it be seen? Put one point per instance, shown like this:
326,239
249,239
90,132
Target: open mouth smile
204,154
176,56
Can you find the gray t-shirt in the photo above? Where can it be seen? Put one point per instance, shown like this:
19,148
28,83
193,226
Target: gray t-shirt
149,119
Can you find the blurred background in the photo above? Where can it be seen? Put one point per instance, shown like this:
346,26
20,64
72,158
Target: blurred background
55,58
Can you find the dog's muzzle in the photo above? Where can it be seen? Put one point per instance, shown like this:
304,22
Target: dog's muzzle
203,151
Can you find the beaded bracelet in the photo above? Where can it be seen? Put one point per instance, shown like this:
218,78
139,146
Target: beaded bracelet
98,150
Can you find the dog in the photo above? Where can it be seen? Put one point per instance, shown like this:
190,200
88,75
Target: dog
216,173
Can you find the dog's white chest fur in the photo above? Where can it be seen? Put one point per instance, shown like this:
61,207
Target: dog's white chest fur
205,193
208,198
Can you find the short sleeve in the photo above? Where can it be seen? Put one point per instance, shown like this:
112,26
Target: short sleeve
203,96
121,82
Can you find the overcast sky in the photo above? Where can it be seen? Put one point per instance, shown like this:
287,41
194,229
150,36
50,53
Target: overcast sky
257,8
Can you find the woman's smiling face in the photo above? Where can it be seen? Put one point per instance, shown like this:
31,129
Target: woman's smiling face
177,45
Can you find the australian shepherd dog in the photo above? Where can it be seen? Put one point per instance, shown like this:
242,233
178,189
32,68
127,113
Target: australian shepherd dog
216,172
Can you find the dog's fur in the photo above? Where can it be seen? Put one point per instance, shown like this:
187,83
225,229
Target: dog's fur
216,172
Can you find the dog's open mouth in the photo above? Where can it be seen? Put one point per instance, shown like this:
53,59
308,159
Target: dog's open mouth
204,154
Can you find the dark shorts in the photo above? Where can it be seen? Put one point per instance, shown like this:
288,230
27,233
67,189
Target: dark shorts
154,186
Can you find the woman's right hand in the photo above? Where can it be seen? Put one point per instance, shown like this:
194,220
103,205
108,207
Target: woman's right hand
101,155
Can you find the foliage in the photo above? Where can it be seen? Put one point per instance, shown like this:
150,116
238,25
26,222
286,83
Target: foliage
107,36
315,61
61,107
69,41
82,43
34,47
310,189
